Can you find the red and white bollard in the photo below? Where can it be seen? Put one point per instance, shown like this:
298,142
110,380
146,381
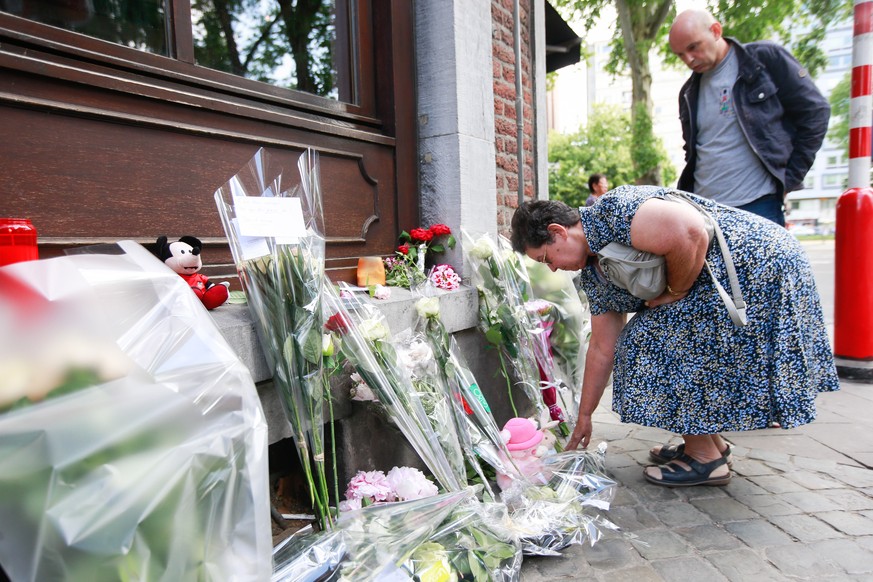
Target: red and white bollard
853,300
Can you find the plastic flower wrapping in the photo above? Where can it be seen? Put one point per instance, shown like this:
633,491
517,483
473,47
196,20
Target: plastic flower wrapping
132,441
543,517
366,344
276,232
368,543
520,334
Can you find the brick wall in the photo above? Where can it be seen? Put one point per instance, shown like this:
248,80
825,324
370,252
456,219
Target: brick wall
505,128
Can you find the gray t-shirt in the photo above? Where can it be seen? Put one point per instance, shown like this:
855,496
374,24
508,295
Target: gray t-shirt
727,169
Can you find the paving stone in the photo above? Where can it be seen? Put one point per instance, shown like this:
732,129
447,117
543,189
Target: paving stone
634,518
865,542
749,467
797,561
624,496
709,537
846,554
776,483
689,493
849,499
811,480
818,465
613,554
649,492
724,509
769,456
854,476
740,486
546,568
744,565
757,533
850,523
767,505
805,528
691,568
679,514
660,544
637,574
780,466
810,501
620,460
630,444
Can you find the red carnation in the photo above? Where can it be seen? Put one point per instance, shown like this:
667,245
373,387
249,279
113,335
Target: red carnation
337,323
403,249
420,235
440,229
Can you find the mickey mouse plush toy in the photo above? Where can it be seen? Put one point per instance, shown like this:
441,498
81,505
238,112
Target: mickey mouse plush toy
183,256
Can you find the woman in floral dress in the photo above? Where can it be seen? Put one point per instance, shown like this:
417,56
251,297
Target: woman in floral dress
680,363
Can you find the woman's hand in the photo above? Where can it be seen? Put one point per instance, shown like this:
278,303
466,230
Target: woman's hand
581,433
665,298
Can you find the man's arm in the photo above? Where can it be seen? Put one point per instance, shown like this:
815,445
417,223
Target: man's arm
806,111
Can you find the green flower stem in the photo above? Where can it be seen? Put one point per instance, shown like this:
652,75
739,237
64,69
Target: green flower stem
508,382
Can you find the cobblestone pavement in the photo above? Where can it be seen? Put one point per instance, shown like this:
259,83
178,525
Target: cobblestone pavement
799,505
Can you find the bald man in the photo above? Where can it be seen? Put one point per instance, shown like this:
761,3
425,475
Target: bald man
752,118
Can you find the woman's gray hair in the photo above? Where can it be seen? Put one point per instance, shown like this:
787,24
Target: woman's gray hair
531,221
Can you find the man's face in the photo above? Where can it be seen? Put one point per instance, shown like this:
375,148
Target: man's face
601,187
696,45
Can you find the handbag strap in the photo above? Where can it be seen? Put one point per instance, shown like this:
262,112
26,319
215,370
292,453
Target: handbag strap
734,303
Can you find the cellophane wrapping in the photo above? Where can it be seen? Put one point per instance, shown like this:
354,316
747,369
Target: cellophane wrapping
133,445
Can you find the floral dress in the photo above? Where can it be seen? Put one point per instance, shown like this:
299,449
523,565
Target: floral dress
685,367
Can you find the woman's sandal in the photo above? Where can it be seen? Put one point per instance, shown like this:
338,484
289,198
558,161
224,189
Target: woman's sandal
667,453
675,475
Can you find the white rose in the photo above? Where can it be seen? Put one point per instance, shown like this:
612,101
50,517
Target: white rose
428,307
482,249
373,330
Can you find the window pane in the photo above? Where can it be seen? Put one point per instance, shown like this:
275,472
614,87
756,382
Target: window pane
287,43
138,24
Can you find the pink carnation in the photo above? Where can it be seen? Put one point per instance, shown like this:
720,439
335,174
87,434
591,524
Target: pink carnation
444,277
370,484
409,483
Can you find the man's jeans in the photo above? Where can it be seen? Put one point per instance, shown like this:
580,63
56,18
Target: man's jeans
769,206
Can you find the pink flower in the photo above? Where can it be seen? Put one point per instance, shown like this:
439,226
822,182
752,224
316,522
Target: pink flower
382,292
410,483
372,485
444,277
350,505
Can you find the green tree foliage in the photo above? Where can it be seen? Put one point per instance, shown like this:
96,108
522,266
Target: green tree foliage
604,146
251,38
838,131
643,25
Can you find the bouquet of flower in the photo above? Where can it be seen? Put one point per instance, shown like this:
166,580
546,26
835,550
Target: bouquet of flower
276,234
141,453
365,544
400,484
500,282
476,429
566,322
407,267
548,518
366,345
468,547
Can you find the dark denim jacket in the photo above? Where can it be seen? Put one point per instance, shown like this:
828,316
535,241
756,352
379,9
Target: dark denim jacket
780,111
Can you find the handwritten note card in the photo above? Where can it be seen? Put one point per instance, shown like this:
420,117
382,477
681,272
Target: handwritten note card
270,216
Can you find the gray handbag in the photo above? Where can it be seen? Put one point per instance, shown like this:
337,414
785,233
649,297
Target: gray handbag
644,274
641,273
